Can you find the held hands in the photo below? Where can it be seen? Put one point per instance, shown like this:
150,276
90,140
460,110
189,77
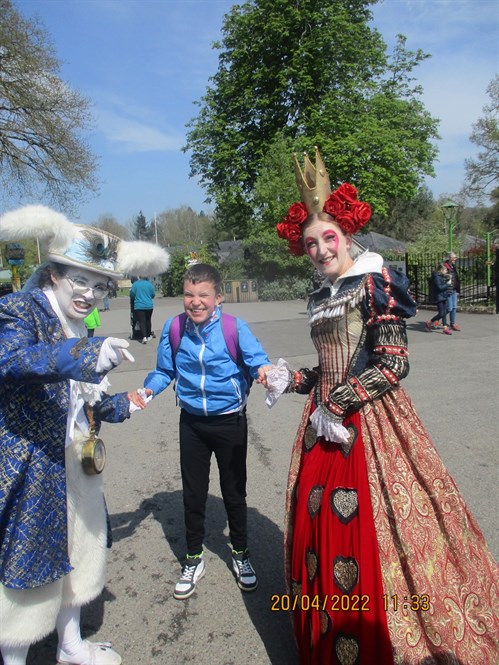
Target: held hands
112,353
277,380
262,374
139,398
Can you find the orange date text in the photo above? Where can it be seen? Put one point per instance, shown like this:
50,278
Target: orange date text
330,603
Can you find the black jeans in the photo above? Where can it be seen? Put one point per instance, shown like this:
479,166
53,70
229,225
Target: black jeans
143,317
227,437
442,312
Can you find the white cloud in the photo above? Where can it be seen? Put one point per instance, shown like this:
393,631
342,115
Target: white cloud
132,135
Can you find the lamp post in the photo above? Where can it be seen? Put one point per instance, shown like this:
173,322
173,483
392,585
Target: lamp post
488,235
449,209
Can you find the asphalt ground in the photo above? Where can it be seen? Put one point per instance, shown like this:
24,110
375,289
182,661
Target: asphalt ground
453,383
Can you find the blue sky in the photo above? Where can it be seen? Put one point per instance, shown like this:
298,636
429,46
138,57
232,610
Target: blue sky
143,63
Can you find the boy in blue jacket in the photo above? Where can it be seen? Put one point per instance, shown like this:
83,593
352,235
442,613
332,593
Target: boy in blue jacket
212,389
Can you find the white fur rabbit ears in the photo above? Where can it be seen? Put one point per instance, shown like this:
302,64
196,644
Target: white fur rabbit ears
81,245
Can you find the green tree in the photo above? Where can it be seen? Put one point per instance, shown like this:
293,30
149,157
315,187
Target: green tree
310,72
141,229
172,279
491,218
42,152
183,226
406,219
482,173
110,224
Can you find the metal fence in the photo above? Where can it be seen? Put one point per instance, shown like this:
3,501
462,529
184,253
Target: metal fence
478,276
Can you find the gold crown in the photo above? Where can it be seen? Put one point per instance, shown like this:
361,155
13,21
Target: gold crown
313,182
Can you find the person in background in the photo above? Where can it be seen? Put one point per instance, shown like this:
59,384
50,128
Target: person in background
384,562
142,296
212,390
55,533
453,290
439,285
92,321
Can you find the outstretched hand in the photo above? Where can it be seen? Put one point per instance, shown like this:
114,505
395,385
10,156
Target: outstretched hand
112,353
140,397
262,374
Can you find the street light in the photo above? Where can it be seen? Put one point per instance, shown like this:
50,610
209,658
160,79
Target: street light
449,209
488,235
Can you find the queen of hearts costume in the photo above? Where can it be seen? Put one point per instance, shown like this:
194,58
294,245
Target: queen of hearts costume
384,562
54,528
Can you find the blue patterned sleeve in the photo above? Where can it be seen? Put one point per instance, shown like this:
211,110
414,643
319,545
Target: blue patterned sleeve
113,408
30,352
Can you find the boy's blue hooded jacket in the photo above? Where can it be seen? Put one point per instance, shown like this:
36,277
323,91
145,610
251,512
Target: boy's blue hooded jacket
208,381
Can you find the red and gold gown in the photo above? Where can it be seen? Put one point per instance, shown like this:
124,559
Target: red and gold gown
384,562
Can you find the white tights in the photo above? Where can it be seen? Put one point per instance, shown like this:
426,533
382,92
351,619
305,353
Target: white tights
68,631
14,655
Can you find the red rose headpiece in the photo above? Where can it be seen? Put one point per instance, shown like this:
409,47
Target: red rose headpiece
313,183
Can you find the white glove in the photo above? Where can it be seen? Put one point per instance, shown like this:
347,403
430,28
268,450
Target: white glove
112,352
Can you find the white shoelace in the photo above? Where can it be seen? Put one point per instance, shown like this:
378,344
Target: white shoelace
244,567
188,571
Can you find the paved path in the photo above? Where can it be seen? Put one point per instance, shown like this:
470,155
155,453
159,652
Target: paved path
454,386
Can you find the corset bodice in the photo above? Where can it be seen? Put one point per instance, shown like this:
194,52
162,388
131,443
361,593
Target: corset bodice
338,342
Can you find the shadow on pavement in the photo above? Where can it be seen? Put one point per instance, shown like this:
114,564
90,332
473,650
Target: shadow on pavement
266,544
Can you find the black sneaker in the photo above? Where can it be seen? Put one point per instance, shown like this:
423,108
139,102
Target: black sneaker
192,571
243,570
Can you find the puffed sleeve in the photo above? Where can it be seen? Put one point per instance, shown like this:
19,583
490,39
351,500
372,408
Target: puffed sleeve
303,380
386,305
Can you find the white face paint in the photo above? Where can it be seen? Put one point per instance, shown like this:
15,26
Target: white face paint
74,292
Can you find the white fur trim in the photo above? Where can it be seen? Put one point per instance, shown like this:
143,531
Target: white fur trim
142,258
36,221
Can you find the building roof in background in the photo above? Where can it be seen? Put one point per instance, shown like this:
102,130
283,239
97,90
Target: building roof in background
229,250
471,242
378,242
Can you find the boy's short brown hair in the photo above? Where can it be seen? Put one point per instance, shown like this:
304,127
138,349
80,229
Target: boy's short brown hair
203,272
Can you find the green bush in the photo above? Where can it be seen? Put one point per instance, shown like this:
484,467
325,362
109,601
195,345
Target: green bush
285,289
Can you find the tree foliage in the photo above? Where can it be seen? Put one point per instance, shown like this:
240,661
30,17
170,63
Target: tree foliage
141,229
42,152
172,281
483,172
183,226
110,224
309,72
406,219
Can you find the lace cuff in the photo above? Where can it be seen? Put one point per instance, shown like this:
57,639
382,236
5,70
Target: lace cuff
278,380
328,425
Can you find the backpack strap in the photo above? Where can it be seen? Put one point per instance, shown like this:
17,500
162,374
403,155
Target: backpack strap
176,331
231,337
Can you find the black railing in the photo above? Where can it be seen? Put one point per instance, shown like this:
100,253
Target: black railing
478,276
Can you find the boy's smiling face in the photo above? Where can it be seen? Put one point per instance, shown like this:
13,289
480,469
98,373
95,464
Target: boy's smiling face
200,300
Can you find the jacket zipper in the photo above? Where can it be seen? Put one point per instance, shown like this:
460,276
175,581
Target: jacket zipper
203,372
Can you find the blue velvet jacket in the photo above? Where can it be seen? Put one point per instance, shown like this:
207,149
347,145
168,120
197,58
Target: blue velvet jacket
36,363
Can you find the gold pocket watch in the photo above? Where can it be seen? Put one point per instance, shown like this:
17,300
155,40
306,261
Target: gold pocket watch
93,453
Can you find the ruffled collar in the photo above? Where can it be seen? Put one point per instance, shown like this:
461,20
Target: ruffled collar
80,390
330,300
367,262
